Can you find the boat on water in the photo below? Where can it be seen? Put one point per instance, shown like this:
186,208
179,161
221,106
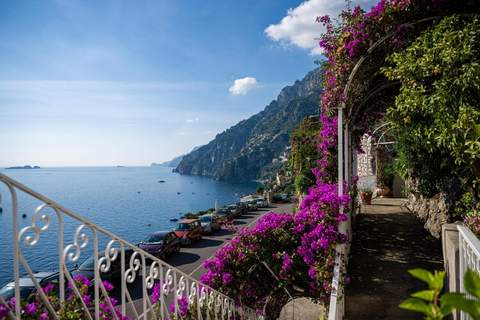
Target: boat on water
173,219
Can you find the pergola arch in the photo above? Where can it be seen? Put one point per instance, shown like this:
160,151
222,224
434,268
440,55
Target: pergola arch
375,91
346,164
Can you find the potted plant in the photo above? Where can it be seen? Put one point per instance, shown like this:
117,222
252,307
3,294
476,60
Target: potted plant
366,196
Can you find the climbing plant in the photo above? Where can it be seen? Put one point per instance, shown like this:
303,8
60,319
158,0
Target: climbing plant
436,115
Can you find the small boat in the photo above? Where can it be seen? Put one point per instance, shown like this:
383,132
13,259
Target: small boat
173,219
179,193
161,181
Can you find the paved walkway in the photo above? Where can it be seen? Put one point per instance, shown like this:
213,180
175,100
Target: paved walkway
387,241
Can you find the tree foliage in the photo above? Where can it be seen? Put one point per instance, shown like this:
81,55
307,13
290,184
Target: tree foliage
436,115
304,153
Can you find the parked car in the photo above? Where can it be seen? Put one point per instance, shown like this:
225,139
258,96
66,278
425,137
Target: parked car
161,243
252,205
234,210
26,285
209,223
224,214
282,198
261,203
243,207
188,230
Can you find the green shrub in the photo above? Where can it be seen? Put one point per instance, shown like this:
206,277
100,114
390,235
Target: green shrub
436,116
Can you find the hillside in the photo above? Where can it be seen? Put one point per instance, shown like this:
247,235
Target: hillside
251,148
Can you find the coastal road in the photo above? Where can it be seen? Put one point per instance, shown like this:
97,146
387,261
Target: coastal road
190,259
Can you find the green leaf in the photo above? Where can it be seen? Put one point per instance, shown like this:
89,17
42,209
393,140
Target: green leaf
460,302
422,274
417,305
437,282
446,309
477,129
427,295
472,283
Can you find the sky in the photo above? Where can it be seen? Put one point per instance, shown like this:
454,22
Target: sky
94,83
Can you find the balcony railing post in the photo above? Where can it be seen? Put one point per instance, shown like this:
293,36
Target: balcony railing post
16,248
61,265
96,274
144,288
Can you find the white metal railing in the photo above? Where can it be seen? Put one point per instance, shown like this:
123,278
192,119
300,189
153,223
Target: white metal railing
469,247
140,270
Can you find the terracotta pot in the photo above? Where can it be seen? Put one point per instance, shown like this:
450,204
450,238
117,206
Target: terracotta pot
366,197
384,192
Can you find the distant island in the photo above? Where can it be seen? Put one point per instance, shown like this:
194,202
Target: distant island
24,167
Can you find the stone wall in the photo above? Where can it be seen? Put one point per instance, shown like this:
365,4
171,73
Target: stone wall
433,211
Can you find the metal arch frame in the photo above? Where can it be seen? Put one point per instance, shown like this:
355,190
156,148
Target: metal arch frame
379,140
344,161
367,55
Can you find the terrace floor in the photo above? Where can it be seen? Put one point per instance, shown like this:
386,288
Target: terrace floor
388,240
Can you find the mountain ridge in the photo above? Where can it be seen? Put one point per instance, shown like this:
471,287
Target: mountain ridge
253,147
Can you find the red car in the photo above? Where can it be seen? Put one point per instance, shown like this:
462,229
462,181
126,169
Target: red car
188,230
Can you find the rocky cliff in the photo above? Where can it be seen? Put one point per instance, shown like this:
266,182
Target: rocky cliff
253,147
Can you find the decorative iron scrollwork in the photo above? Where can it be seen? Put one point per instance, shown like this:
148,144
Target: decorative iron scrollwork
134,266
153,274
168,282
110,255
80,241
35,228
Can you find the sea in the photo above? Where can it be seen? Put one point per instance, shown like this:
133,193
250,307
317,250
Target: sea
130,202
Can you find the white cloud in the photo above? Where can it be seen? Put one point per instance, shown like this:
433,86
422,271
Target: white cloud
194,120
299,28
242,86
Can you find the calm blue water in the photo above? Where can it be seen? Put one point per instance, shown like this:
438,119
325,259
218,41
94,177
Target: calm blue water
127,201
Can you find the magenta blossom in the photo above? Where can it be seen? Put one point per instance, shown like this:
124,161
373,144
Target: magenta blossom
227,278
31,308
108,286
3,311
182,306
